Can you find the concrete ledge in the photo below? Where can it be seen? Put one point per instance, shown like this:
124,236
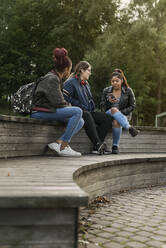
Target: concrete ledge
40,196
39,182
39,202
22,136
122,173
49,182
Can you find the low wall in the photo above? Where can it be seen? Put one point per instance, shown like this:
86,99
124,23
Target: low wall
122,173
21,136
39,200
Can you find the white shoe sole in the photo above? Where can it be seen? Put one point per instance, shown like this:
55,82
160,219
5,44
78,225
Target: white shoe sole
70,155
53,149
56,149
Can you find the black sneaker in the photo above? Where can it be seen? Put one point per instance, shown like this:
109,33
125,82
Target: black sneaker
133,131
115,150
101,148
95,151
107,151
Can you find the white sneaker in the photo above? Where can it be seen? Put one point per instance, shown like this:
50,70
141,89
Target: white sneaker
68,152
55,147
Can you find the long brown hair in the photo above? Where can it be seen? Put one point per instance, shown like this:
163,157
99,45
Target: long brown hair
82,65
123,77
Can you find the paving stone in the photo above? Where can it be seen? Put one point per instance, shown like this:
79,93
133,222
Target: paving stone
117,225
120,239
94,231
89,236
147,228
136,220
145,234
92,246
125,234
160,238
111,229
98,240
140,238
136,245
130,229
105,235
112,245
163,226
135,224
156,244
160,232
105,223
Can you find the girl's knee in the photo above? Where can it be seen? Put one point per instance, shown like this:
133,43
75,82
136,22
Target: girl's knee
82,122
87,116
113,110
78,111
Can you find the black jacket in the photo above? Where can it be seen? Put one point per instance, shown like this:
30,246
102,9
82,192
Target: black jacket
127,101
48,93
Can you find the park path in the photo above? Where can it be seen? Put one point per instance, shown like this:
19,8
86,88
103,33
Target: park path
133,219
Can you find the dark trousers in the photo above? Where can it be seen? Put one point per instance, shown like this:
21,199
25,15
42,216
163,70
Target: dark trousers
97,125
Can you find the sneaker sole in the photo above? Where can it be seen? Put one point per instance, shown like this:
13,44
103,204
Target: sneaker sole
115,153
102,149
72,156
95,152
53,150
107,153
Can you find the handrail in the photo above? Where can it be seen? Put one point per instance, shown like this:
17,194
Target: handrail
157,116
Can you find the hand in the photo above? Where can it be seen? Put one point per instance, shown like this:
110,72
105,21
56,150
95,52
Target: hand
112,98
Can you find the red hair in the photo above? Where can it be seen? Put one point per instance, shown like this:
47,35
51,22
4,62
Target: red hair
61,59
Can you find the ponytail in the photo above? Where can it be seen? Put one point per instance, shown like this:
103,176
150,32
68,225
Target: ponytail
123,77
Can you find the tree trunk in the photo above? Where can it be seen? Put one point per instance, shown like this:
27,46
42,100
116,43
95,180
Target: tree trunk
159,100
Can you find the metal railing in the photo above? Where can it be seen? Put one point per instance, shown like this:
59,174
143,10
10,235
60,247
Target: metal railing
158,116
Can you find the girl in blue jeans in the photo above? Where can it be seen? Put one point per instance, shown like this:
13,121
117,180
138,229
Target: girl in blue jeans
118,101
49,104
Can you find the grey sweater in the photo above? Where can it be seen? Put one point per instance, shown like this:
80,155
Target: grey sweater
48,93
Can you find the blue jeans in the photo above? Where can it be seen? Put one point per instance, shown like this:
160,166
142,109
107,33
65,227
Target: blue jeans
70,115
120,118
116,132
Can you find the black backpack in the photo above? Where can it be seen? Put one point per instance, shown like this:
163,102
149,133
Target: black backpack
23,99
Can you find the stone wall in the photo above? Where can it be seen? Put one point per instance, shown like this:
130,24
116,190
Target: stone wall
21,136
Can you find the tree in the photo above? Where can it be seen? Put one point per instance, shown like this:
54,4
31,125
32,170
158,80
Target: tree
136,44
30,30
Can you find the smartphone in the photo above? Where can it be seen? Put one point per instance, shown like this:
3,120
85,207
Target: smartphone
112,96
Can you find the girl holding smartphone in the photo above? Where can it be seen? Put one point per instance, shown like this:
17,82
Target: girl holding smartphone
118,101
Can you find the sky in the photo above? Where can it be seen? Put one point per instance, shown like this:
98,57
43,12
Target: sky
124,2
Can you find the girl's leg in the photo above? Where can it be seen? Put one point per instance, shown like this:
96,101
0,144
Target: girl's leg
119,117
116,133
72,115
90,128
103,123
76,130
122,120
